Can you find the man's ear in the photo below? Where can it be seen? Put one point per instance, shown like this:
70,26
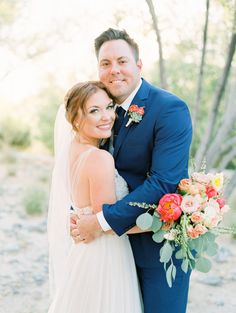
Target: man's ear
139,64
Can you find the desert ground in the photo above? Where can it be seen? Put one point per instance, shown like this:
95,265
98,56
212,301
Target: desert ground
24,251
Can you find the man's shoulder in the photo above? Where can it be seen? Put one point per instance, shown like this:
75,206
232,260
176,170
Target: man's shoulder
162,94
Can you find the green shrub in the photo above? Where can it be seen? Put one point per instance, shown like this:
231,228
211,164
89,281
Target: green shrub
48,106
35,200
15,133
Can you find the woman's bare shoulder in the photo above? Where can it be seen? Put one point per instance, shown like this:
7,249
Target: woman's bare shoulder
99,157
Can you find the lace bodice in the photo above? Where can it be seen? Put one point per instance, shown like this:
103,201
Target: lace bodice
121,186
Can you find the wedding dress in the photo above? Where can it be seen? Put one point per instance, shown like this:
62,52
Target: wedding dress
99,277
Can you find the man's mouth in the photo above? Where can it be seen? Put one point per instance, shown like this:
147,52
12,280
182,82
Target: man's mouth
116,81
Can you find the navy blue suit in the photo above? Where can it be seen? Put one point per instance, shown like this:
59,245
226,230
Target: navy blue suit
152,156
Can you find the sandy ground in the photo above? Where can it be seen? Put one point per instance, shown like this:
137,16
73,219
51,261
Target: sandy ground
24,253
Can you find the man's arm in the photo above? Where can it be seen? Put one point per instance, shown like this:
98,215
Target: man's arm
170,156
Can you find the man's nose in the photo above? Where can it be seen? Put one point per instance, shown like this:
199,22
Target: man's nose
115,68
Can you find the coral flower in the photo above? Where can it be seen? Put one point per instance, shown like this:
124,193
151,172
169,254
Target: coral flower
169,207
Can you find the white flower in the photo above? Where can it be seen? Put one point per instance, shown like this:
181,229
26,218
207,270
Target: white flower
191,204
217,181
225,209
212,214
171,235
201,177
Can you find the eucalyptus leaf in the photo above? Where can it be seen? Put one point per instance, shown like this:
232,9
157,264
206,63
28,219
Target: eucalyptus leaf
169,275
192,264
144,221
159,236
184,265
174,272
212,249
180,254
197,244
156,224
166,252
190,255
209,236
203,265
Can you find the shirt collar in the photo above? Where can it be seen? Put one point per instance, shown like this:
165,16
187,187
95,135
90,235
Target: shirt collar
125,105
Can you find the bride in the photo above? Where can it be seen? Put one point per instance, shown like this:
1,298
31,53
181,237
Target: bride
99,277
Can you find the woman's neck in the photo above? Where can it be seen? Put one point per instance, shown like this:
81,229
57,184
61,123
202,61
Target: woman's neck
87,141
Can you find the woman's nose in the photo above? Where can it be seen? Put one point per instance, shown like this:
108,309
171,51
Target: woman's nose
105,115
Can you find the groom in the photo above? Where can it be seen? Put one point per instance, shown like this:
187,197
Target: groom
151,155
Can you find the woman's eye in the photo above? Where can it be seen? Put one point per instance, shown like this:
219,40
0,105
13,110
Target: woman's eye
93,111
111,107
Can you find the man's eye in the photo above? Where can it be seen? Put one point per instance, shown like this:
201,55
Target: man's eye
104,64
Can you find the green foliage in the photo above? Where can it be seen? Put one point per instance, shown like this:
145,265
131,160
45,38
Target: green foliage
144,221
8,11
35,200
50,99
15,133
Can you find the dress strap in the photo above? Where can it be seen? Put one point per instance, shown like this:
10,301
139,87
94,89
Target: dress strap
75,169
83,156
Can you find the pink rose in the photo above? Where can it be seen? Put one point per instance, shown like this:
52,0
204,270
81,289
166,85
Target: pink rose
211,192
169,207
221,202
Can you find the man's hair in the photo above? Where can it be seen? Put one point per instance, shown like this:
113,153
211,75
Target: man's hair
116,34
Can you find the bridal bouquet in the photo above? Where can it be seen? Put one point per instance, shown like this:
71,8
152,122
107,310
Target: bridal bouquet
187,222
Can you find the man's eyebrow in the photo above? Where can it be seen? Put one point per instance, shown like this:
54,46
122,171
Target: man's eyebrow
102,60
122,57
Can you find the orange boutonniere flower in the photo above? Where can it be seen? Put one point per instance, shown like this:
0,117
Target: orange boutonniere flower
135,114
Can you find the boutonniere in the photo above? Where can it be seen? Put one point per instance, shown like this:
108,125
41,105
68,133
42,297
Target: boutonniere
135,114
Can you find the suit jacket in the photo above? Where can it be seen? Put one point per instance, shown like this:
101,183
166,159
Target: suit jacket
152,156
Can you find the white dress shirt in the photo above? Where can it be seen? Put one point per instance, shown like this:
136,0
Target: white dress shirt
125,105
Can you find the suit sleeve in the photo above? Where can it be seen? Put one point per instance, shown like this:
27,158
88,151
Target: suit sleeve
170,154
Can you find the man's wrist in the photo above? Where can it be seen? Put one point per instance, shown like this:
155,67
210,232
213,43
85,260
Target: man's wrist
102,221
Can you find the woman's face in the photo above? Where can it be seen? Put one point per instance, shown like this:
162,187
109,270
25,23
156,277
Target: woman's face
99,117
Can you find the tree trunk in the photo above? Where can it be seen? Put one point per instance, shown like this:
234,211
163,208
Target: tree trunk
227,158
230,186
217,146
163,81
217,100
197,103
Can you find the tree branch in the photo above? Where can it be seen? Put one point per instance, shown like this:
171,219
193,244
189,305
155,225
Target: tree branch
163,82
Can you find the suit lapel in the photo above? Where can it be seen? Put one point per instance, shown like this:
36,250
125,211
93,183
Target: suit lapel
140,101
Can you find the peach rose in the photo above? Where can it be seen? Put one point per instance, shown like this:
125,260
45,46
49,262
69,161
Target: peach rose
196,217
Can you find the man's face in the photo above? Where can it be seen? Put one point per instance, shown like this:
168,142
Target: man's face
118,69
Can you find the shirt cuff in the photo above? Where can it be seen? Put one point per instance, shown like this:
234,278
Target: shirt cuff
103,223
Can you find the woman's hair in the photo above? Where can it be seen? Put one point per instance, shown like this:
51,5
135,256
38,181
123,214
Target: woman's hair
116,34
76,98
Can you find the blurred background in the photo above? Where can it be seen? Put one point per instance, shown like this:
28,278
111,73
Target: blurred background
46,46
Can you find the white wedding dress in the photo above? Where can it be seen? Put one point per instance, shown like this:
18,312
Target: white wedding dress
99,277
